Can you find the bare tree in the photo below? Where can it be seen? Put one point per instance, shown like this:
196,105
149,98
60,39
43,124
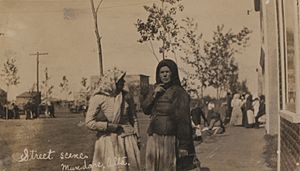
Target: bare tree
98,37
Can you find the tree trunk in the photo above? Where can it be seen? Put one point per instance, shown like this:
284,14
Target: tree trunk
98,37
163,50
202,91
218,93
162,7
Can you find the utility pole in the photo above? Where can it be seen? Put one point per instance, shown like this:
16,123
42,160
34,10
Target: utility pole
38,54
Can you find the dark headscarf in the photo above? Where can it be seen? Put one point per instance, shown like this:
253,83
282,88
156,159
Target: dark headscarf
174,71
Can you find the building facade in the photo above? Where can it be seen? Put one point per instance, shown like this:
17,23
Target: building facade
27,96
280,38
3,96
138,86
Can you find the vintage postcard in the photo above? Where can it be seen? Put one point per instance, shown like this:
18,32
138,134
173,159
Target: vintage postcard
150,85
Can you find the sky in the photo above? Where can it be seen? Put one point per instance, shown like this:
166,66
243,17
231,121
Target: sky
64,29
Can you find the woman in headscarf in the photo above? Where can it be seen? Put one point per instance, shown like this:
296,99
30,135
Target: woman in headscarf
247,110
170,144
112,115
237,116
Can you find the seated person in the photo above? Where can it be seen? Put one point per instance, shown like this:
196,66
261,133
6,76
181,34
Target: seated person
215,123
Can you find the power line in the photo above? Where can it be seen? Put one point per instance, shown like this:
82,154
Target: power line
37,54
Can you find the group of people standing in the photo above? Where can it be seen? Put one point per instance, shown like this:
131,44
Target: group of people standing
241,110
49,109
247,110
112,115
9,111
31,110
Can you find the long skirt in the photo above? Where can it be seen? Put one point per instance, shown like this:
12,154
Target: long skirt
116,153
160,153
236,117
250,117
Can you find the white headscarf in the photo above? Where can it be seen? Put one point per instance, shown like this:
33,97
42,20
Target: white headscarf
107,87
107,83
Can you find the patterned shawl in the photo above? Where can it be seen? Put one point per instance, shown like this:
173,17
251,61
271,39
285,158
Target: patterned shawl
107,87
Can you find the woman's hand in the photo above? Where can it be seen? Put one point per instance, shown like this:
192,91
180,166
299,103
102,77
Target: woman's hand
113,127
158,89
139,142
182,153
198,126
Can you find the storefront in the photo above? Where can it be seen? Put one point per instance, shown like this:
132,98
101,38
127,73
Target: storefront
289,109
280,21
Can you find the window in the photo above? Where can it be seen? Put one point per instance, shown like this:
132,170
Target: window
289,59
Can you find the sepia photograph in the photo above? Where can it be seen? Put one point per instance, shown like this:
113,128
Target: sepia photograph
149,85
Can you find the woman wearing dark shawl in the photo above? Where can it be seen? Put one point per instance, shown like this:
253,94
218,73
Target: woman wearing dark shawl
247,108
170,145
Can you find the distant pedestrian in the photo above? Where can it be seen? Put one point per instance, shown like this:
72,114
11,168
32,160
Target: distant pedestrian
255,104
261,110
51,110
84,109
34,110
228,113
28,108
2,112
47,108
248,115
237,116
15,111
10,107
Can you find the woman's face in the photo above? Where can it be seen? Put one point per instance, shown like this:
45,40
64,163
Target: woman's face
165,74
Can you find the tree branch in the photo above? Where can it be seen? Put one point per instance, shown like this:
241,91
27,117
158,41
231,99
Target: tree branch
92,5
153,52
99,5
174,53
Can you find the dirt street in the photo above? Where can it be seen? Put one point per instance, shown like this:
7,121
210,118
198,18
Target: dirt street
239,149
